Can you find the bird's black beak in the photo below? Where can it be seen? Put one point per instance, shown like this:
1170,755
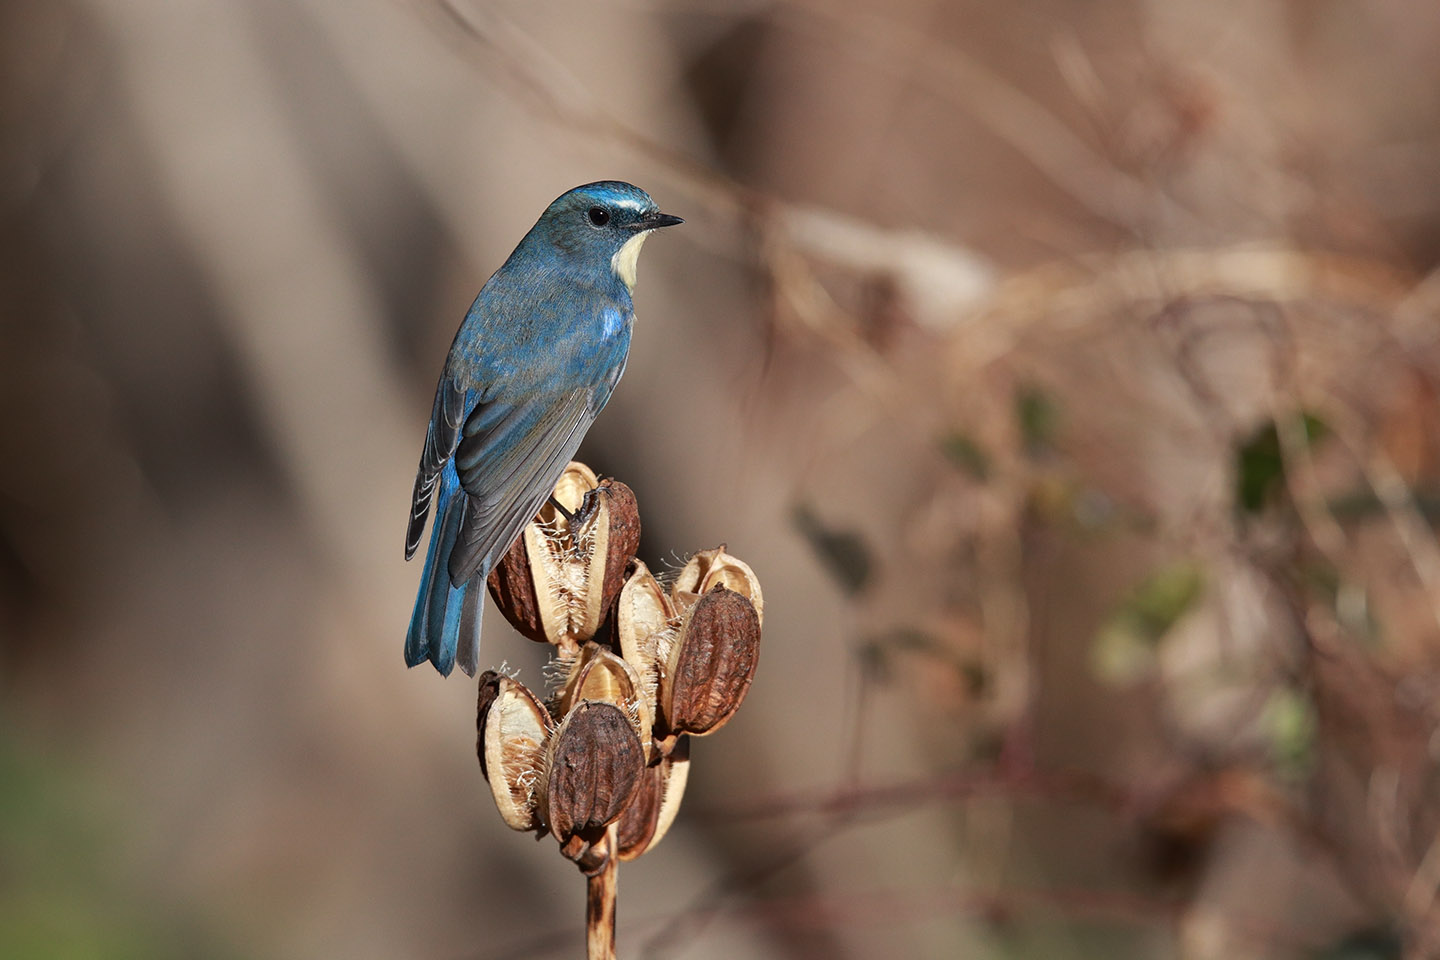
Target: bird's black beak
654,221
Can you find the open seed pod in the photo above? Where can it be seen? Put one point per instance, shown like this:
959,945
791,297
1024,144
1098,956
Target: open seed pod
646,625
600,675
560,575
513,730
593,766
656,801
708,568
710,670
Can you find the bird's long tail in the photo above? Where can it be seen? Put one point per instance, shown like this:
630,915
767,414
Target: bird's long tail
446,622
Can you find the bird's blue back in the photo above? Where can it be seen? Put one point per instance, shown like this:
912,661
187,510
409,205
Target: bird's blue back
535,360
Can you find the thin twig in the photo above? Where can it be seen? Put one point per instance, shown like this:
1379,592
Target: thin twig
897,798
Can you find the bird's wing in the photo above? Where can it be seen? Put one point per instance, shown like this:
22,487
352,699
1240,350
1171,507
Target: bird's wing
508,459
441,438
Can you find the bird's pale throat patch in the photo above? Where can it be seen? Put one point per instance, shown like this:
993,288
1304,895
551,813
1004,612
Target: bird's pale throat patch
627,258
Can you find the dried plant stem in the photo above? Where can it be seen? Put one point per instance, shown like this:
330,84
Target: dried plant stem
600,903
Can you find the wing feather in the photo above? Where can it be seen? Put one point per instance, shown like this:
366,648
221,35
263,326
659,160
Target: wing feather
441,438
509,466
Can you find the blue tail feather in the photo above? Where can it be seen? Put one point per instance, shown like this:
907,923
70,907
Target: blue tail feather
441,613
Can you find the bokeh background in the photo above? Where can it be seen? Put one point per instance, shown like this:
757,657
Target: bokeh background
1069,373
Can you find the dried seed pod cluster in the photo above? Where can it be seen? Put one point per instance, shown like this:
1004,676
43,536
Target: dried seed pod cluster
695,646
602,764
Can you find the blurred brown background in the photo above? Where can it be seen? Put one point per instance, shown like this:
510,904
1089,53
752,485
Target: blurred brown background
1069,372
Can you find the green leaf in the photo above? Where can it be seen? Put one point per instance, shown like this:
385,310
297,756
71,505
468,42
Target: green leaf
1124,647
1260,464
1374,943
877,655
1164,596
1289,720
843,553
961,450
1038,416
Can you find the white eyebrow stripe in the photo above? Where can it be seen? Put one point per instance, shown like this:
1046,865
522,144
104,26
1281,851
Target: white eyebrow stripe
629,203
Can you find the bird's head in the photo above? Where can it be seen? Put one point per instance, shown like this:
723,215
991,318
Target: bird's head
603,225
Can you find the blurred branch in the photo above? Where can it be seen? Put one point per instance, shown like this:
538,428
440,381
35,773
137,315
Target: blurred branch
1013,116
895,799
885,906
498,44
1019,120
1413,531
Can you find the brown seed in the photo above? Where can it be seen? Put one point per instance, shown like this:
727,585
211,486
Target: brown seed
489,690
711,668
656,801
594,766
513,590
636,825
598,674
624,537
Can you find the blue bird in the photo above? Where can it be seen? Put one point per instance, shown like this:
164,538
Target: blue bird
534,362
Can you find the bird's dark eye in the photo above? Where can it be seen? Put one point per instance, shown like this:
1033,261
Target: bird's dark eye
598,216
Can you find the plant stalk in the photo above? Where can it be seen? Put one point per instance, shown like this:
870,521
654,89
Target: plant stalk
600,893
